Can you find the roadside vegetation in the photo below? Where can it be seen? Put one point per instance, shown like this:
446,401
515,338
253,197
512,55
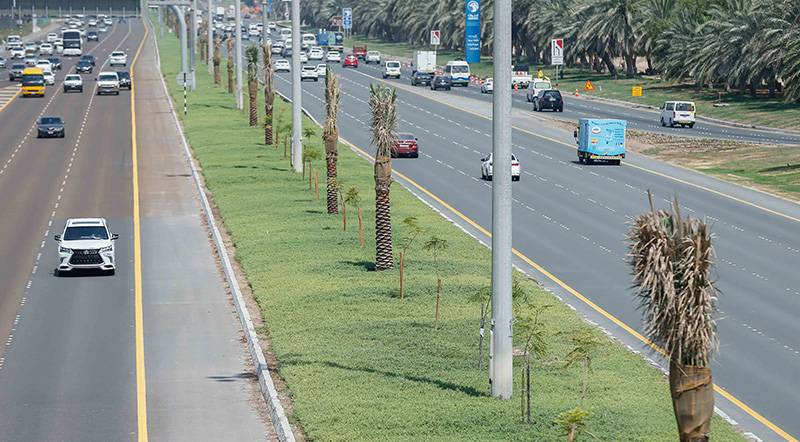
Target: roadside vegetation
741,54
360,361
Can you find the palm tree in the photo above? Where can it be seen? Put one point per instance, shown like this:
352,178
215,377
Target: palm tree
269,92
251,54
671,260
383,125
610,29
217,46
330,135
230,65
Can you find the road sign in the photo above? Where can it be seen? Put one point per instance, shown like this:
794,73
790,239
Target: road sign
472,31
588,86
336,21
436,38
347,18
557,52
636,91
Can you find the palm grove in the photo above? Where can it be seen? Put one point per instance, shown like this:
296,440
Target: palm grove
734,44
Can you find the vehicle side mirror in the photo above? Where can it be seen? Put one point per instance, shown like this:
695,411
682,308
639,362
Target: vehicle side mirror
57,238
575,133
483,159
114,236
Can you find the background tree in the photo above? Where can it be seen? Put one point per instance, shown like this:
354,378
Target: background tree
330,135
311,154
436,245
573,422
382,127
217,46
671,260
269,92
532,331
585,345
251,54
415,229
352,198
230,65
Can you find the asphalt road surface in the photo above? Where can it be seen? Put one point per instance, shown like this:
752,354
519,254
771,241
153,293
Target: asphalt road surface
572,220
68,365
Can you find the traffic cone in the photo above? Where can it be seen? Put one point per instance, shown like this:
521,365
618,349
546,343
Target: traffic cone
516,87
576,92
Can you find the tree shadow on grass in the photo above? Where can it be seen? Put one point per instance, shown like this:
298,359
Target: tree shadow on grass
367,265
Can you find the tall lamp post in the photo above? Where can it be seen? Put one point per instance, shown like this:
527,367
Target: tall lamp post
238,63
297,121
210,30
502,335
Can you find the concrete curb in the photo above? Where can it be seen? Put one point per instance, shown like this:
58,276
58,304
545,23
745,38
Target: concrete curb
268,390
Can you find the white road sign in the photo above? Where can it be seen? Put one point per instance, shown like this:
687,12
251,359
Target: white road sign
347,18
557,51
436,38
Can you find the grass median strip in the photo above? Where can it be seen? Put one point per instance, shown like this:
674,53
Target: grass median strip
362,364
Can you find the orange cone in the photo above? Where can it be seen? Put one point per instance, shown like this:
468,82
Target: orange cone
576,92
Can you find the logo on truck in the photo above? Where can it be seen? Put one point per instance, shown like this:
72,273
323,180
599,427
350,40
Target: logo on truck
595,130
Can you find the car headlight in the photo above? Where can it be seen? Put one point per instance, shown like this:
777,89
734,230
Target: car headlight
64,250
106,249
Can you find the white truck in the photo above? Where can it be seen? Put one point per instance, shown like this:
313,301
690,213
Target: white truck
520,76
219,14
424,61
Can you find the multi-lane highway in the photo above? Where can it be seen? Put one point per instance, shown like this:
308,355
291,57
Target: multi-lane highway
571,220
99,357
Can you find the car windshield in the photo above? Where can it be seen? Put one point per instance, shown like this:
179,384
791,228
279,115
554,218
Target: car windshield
18,67
117,54
541,84
685,107
123,74
85,232
393,64
108,77
552,94
33,80
72,77
459,69
51,120
405,137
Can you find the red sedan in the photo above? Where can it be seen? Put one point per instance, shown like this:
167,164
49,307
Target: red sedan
405,146
351,61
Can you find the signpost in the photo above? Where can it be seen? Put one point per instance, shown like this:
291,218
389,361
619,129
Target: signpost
472,32
436,38
636,91
347,20
557,53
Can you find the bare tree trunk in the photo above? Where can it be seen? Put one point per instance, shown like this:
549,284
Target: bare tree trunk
438,298
269,94
331,159
528,388
316,184
230,65
383,216
480,336
571,433
217,47
612,70
402,273
344,216
252,86
360,228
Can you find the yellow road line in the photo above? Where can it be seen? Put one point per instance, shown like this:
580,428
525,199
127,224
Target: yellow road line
724,393
642,168
141,380
14,97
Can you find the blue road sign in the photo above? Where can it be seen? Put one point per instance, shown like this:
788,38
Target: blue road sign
347,18
472,31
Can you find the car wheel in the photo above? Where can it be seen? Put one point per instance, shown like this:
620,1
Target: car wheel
671,123
515,178
580,158
616,162
663,124
111,272
691,125
561,109
448,88
588,160
488,177
416,155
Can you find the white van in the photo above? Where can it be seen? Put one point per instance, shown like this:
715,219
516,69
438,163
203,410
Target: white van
678,112
308,40
535,86
458,71
285,33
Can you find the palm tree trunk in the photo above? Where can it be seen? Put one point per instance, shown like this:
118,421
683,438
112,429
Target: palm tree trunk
360,228
269,93
612,70
216,61
402,273
383,216
331,156
692,393
230,66
252,85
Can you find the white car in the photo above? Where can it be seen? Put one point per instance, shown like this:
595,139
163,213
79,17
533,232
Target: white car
17,52
86,243
108,83
303,57
117,58
486,168
44,65
271,26
282,65
108,22
30,61
373,57
309,72
333,57
73,82
277,47
488,86
322,69
102,28
51,37
391,69
49,78
46,49
315,53
92,23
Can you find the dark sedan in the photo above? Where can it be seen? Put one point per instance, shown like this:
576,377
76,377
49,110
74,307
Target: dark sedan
418,78
548,99
90,58
83,67
49,127
55,62
124,79
441,82
15,73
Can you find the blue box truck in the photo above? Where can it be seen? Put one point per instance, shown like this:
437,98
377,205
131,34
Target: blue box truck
600,140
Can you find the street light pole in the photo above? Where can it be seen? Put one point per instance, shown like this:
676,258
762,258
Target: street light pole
238,63
297,121
501,376
264,29
193,40
210,38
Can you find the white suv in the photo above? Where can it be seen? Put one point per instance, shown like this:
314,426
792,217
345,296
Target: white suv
73,82
372,57
108,83
86,243
118,58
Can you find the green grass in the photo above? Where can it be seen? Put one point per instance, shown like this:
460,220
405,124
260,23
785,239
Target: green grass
360,363
741,107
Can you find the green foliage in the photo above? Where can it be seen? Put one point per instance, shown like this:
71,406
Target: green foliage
352,197
572,421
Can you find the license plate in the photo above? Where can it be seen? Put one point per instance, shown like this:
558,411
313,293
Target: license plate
606,157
